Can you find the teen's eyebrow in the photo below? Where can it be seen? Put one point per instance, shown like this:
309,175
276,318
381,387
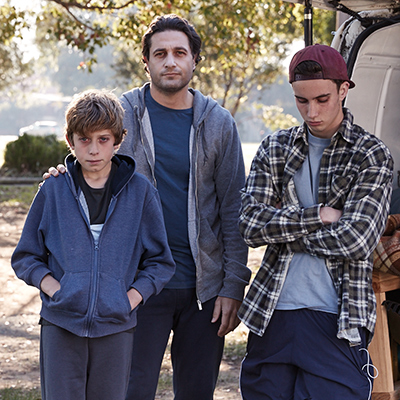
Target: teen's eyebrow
318,97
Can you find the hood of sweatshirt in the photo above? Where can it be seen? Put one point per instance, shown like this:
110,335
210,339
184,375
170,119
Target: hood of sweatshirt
124,173
202,105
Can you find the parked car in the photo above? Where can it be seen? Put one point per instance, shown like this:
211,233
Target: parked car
42,128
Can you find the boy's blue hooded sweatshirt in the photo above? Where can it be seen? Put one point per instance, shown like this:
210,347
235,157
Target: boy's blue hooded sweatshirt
132,251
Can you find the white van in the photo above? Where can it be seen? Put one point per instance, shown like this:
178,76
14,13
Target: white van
372,54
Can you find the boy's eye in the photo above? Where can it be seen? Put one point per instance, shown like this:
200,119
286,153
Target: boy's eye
83,139
104,139
323,100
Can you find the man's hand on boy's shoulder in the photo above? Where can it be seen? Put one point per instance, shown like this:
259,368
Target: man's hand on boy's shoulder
54,171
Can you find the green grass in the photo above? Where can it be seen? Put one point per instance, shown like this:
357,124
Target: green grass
20,394
19,195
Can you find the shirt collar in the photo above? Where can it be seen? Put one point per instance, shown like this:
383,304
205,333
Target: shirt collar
345,129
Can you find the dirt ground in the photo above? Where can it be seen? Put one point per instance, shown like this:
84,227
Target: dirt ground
19,309
19,330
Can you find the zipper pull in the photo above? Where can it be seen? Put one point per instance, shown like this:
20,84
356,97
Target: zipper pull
199,304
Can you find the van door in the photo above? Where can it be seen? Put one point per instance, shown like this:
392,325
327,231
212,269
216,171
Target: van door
374,65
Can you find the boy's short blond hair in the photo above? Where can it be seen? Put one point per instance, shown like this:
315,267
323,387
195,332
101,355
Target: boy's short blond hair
94,110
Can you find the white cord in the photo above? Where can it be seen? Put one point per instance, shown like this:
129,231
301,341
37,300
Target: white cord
369,376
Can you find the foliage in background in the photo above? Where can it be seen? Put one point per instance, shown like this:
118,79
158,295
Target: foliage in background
275,118
20,394
244,41
12,67
34,154
19,195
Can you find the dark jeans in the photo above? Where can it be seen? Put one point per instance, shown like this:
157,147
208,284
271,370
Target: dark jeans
77,368
196,350
299,357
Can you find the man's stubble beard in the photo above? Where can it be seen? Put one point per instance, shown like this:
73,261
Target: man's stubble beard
168,89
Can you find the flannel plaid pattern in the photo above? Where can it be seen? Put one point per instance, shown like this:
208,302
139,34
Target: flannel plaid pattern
356,176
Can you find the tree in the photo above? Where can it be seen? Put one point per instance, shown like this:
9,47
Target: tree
244,41
13,68
33,154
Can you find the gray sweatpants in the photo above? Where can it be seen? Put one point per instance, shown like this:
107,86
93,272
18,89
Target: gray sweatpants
77,368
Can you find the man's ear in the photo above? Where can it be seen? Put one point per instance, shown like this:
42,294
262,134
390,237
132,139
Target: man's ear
145,61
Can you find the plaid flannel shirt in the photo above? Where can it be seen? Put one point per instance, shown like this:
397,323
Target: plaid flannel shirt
356,176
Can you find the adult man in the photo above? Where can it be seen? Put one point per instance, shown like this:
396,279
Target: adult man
188,146
318,196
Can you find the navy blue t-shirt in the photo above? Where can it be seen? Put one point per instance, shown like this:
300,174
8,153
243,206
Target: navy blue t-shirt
171,131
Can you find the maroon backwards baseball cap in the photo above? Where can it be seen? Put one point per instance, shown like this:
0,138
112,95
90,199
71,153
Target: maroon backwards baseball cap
332,64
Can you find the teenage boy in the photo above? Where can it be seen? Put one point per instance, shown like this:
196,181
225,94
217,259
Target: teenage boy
318,197
95,245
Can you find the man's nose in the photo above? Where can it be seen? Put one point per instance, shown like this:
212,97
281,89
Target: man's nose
170,60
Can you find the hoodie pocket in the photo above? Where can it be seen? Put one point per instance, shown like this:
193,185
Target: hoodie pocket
73,296
208,240
113,302
210,250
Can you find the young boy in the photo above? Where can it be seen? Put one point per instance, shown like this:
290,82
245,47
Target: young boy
94,243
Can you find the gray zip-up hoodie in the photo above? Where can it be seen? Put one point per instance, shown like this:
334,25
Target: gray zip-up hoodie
215,179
